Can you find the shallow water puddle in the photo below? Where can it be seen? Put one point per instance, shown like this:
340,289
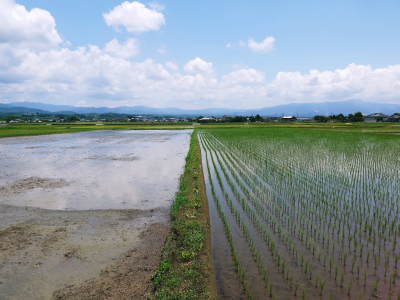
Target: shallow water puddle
93,170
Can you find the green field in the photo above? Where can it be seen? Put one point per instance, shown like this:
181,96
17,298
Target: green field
306,212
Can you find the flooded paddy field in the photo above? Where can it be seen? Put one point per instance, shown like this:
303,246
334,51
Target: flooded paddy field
303,214
85,215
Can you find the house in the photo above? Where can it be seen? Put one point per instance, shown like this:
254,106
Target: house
394,118
375,117
207,120
172,120
288,118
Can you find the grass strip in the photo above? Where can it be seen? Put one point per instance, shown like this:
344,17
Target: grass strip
186,270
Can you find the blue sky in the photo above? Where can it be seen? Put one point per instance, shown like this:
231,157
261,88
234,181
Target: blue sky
351,44
310,34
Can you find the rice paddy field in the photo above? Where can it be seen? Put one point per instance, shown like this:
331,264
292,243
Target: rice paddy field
303,213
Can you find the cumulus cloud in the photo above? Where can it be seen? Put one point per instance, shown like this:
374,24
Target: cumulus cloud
156,6
124,50
97,77
34,29
135,17
109,75
172,66
244,76
265,46
352,82
198,65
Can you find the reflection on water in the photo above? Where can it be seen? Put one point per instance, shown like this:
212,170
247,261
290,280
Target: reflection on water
103,169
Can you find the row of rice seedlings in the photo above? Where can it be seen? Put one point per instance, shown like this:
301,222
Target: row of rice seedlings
251,243
240,270
260,218
247,233
344,230
317,282
268,218
242,175
258,259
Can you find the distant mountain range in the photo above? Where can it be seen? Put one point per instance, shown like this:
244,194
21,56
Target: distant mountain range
296,109
16,108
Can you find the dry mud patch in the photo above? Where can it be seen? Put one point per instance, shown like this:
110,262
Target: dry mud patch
30,183
127,278
106,254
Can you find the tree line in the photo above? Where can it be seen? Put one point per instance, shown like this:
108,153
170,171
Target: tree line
357,117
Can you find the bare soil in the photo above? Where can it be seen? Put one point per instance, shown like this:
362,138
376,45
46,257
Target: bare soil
30,183
106,254
129,277
116,158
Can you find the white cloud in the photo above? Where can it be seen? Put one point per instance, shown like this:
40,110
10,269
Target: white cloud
244,76
352,82
34,29
198,65
93,75
172,66
135,17
125,50
156,6
107,75
265,46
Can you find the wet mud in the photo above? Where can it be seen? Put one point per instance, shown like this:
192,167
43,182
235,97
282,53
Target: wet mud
26,184
79,255
85,215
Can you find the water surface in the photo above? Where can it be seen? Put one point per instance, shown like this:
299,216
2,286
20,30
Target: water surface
93,170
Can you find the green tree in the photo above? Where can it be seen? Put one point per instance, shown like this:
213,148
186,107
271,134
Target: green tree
357,117
321,119
258,118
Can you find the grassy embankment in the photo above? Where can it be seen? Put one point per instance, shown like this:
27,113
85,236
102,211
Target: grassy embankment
186,270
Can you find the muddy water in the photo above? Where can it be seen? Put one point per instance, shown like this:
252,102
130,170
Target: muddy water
93,170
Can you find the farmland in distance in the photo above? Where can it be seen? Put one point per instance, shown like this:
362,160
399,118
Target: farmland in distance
303,213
